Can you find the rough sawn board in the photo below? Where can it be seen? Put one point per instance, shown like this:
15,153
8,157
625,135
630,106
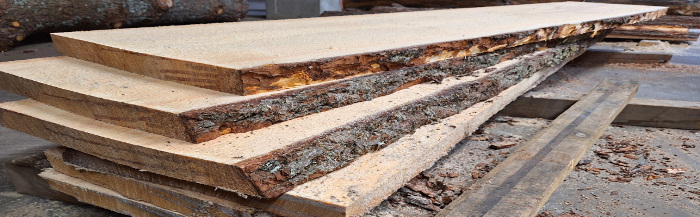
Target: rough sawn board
253,57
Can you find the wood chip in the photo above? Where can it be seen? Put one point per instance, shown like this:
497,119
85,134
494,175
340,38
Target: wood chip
676,170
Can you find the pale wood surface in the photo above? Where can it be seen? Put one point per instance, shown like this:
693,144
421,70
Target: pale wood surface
521,184
218,162
328,195
108,94
210,55
184,201
102,197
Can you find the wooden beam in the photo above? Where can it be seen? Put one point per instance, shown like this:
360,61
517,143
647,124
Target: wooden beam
253,57
607,55
521,184
185,199
102,197
328,195
325,195
293,152
196,115
639,112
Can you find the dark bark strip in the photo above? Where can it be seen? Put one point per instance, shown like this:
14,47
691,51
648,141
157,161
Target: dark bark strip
19,19
283,169
209,123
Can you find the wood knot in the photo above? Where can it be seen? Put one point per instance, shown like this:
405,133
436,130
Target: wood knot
220,11
15,24
164,4
19,38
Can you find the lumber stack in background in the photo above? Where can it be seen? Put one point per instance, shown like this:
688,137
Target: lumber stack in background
25,18
668,28
303,165
676,7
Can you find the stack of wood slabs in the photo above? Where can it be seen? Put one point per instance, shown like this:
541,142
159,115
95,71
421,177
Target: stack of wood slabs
372,109
668,28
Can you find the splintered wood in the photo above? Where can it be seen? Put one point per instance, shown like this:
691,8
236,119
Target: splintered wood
296,117
252,57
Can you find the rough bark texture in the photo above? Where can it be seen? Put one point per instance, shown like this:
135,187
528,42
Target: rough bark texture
19,19
208,124
676,7
286,168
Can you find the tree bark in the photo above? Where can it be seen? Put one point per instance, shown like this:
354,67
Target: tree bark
19,19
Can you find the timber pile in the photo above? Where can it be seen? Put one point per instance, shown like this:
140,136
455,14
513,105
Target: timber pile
211,122
669,28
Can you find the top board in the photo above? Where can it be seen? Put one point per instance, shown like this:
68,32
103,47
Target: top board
253,57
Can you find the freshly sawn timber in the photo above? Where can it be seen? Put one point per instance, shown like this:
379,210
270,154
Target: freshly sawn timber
102,197
24,18
340,193
196,115
292,152
253,57
521,184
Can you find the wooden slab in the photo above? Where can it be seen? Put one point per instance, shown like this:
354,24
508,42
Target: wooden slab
271,161
102,197
253,57
639,112
669,28
340,193
197,115
521,184
677,7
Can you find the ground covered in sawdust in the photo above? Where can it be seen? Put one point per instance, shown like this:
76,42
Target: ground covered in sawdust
630,171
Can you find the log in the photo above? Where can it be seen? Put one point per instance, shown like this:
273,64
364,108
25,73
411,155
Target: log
676,7
102,197
254,57
197,115
295,151
520,185
26,18
328,195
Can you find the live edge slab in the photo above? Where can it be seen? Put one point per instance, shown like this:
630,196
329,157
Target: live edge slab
272,160
253,57
340,193
196,115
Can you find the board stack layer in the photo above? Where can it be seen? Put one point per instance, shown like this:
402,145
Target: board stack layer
305,117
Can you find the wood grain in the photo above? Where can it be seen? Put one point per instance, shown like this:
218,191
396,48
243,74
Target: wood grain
293,152
328,195
196,115
102,197
521,184
253,57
